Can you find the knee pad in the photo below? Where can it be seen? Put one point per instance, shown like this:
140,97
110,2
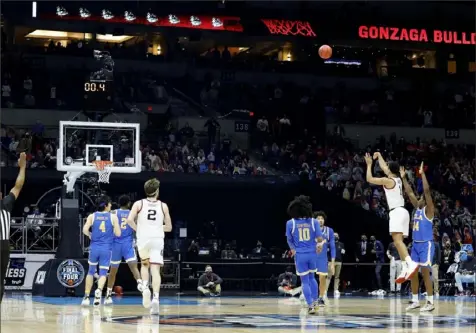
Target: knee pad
92,269
103,271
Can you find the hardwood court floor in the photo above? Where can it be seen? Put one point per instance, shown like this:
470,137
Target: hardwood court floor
25,314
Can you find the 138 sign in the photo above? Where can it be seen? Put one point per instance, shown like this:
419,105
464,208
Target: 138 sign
242,126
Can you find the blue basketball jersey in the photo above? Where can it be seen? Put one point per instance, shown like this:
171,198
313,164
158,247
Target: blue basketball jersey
102,233
126,231
302,233
422,227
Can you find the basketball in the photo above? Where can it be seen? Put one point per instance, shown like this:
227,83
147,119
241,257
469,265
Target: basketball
118,290
325,52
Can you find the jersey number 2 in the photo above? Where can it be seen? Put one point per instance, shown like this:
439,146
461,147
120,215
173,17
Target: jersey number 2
123,223
151,213
304,234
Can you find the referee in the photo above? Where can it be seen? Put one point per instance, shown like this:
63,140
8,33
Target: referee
6,207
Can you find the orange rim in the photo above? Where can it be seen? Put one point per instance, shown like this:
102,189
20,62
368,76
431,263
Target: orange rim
100,165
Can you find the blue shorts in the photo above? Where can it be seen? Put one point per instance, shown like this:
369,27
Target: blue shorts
321,263
124,249
305,263
100,255
423,252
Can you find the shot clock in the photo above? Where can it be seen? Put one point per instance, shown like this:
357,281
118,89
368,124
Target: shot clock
98,94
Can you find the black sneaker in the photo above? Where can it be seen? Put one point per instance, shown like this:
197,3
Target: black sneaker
321,303
311,310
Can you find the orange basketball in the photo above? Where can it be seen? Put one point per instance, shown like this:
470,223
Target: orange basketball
325,52
118,290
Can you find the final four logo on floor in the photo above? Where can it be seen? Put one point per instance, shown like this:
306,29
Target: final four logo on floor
293,322
70,273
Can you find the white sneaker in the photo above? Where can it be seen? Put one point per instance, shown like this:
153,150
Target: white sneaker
140,286
154,310
428,307
97,297
401,278
411,270
336,293
413,306
85,301
108,300
146,297
437,295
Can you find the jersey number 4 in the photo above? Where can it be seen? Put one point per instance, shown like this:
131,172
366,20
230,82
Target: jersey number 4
102,226
304,234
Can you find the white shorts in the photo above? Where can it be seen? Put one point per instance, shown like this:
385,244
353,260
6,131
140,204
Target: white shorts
399,221
152,249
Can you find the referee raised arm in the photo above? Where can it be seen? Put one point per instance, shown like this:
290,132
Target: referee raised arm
6,207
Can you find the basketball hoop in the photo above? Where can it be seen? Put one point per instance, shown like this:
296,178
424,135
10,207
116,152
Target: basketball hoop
104,170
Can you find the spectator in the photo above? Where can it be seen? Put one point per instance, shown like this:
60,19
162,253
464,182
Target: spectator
28,84
259,251
228,253
29,100
362,253
287,283
340,252
395,268
212,125
215,251
466,272
209,284
378,252
435,265
193,249
6,93
187,132
448,256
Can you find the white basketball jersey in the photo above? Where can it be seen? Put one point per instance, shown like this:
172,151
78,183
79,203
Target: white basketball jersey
150,220
395,195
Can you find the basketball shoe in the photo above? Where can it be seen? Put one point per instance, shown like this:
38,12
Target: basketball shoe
154,309
85,301
146,296
97,297
428,307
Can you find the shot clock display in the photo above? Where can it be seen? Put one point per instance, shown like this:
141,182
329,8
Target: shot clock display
98,95
95,86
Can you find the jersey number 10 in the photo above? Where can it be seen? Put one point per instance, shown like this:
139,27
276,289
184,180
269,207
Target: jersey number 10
304,234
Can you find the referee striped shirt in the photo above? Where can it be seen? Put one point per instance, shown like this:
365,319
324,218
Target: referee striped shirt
6,207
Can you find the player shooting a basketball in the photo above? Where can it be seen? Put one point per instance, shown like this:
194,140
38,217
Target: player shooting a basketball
423,248
399,223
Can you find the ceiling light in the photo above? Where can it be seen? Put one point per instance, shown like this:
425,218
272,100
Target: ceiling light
151,18
106,14
173,19
129,16
84,13
61,11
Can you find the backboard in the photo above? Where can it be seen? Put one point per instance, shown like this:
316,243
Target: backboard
82,143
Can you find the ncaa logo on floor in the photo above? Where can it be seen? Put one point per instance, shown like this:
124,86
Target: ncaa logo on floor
70,273
295,322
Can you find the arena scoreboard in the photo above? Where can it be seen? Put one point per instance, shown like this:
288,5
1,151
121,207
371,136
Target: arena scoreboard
98,94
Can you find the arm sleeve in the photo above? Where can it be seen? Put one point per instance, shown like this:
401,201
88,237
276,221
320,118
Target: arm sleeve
218,280
317,227
289,236
8,202
332,243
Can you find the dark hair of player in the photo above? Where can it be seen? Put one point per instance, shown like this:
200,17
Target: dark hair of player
103,201
320,213
124,201
394,168
300,207
151,187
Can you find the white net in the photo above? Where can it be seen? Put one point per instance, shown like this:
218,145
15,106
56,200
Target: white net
104,170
